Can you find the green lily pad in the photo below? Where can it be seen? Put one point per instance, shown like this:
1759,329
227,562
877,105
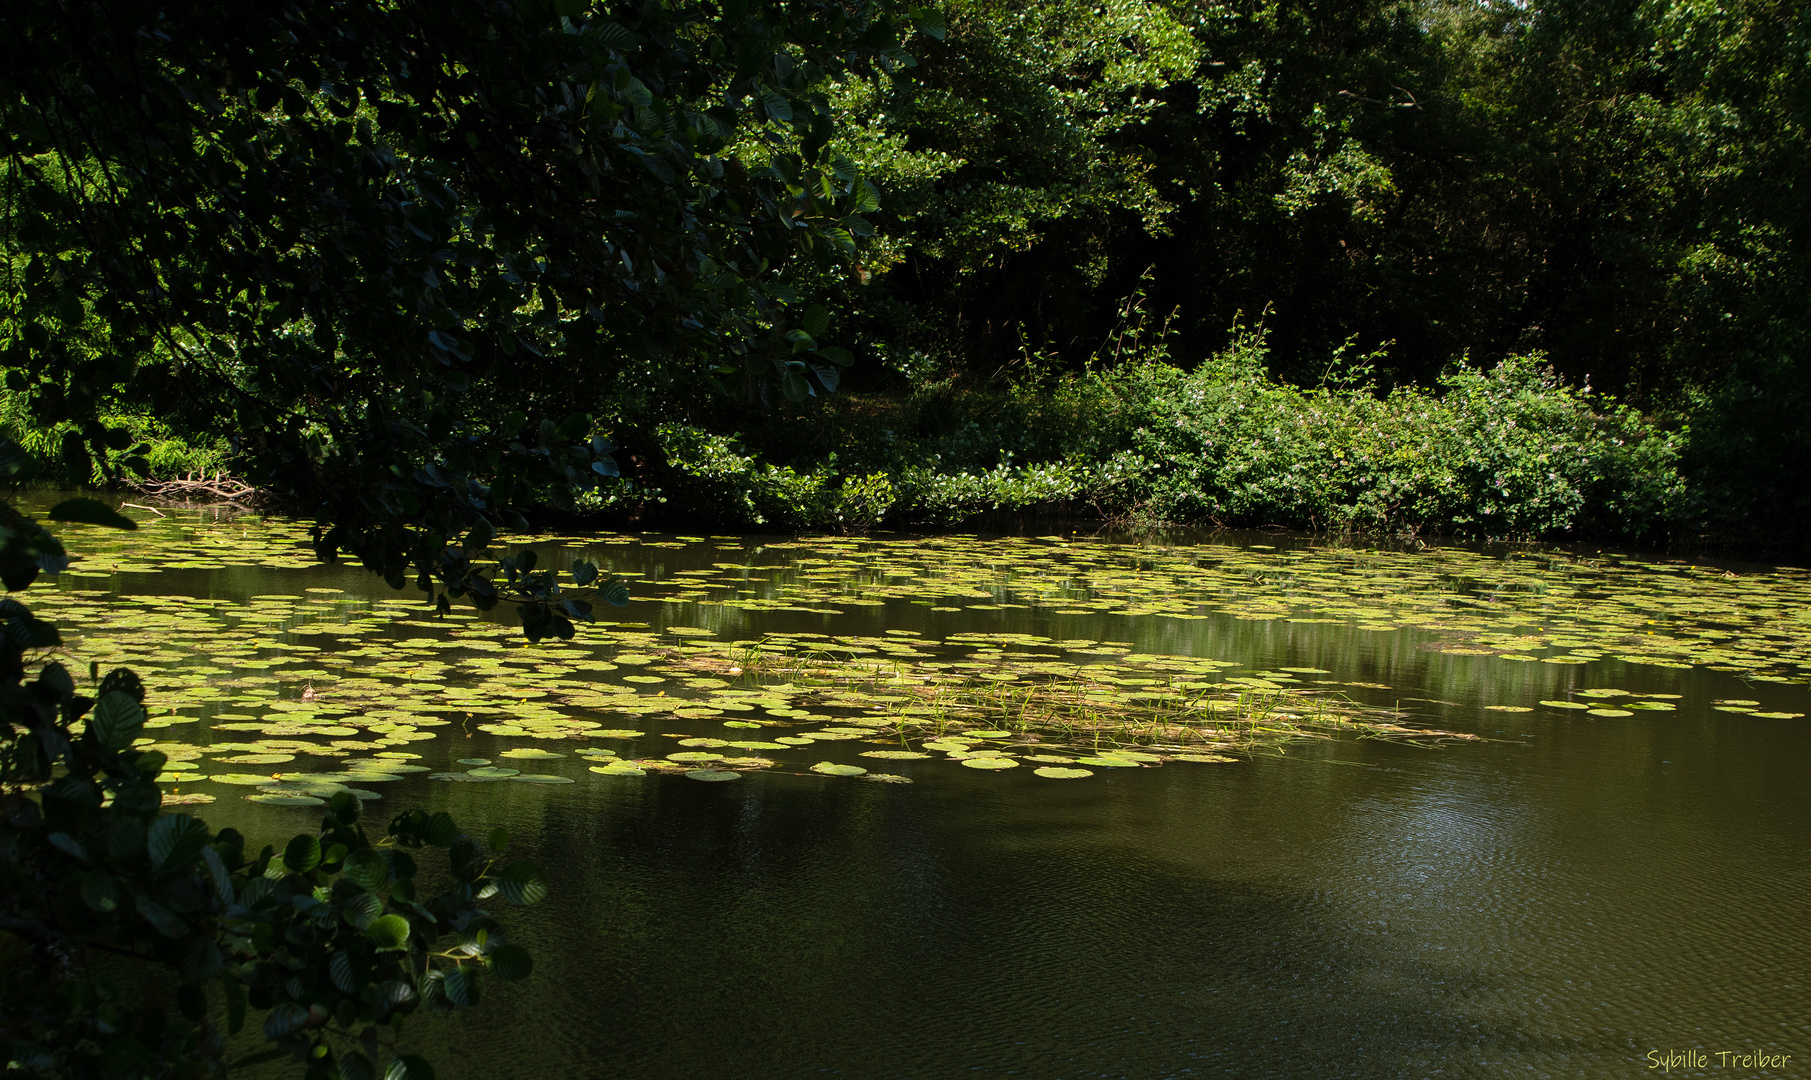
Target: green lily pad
493,770
530,753
619,769
831,768
269,799
1609,712
1205,758
474,761
239,779
694,755
1058,772
900,755
1110,762
990,763
1565,705
1777,715
712,775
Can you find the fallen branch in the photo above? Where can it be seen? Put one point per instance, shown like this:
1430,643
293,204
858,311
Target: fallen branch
200,487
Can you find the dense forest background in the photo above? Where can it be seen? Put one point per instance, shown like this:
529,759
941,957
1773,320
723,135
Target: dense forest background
1447,266
1617,186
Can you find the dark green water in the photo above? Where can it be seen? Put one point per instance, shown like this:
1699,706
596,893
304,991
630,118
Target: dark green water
1557,900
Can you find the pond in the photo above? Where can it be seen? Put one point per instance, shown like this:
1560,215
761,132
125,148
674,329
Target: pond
1238,806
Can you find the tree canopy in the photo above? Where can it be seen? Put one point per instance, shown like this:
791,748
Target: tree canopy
401,254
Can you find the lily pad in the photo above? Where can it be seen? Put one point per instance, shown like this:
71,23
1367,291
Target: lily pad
712,775
1058,772
831,768
494,770
899,755
530,753
619,769
475,761
990,763
1110,762
239,779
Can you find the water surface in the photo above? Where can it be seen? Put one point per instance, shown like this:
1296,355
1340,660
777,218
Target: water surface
1559,898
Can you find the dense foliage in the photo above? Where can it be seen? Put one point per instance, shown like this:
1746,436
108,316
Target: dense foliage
400,255
1612,185
1504,452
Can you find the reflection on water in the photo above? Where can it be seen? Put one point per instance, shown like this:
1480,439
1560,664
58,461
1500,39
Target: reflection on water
1556,900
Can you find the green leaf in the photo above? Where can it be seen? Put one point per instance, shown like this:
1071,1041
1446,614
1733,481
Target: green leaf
584,572
929,22
99,892
393,996
345,807
175,839
367,869
440,830
116,720
302,854
388,932
235,1002
285,1019
346,973
479,538
409,1067
161,918
90,512
356,1066
462,986
361,909
614,592
510,962
523,883
817,320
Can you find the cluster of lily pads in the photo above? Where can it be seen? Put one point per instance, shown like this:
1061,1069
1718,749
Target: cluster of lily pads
316,687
